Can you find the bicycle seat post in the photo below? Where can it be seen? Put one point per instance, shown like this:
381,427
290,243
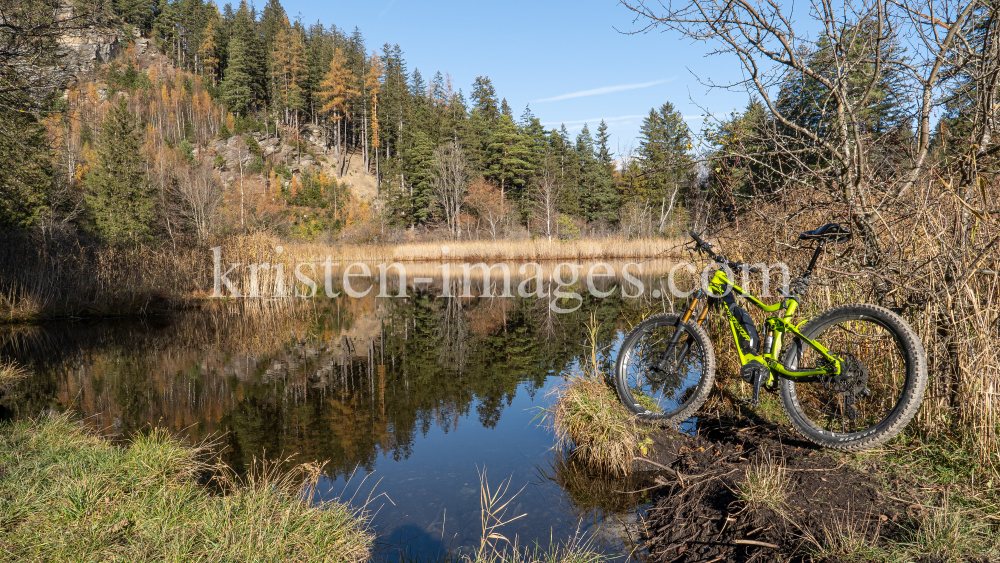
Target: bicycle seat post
816,253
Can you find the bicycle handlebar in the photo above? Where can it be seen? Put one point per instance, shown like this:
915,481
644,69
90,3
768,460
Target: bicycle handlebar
704,246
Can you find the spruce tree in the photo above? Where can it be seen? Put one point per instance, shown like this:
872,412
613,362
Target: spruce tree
244,81
26,174
508,156
567,171
599,198
237,88
483,120
603,150
664,142
419,201
120,198
272,20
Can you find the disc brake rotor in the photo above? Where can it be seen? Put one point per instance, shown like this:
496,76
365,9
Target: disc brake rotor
851,383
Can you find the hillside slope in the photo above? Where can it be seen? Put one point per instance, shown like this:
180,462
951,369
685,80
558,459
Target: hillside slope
212,168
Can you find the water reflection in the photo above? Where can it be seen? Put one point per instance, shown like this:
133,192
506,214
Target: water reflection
421,391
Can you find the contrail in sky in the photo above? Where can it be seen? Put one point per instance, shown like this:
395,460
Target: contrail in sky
604,90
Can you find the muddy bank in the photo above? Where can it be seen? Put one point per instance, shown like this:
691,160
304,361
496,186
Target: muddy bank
742,491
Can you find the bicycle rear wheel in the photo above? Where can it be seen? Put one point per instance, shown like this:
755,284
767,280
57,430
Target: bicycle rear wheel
661,383
880,387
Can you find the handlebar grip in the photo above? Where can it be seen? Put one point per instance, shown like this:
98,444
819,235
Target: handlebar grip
696,238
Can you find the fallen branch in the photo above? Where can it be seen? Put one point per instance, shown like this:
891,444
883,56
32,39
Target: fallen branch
665,468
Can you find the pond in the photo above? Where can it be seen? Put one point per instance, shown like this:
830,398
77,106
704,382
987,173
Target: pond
408,401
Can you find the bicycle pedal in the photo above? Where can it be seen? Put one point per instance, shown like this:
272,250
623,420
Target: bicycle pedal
750,402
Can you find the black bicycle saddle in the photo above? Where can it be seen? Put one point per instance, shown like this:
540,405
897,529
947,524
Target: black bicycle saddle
831,232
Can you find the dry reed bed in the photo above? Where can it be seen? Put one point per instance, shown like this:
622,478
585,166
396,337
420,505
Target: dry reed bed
500,250
48,278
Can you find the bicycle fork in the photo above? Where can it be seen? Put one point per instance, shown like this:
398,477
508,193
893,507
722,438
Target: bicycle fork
663,365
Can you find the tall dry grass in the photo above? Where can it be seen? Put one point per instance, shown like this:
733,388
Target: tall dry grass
45,277
41,277
590,420
500,250
10,373
935,265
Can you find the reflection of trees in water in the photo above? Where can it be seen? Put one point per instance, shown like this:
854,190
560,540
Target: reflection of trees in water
339,380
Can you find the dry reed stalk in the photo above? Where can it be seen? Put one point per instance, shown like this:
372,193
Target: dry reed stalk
484,250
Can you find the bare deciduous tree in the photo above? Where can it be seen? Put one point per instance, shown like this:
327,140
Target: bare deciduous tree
546,197
860,49
923,201
485,197
451,181
200,194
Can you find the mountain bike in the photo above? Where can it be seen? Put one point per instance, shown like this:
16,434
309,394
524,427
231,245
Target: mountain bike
850,378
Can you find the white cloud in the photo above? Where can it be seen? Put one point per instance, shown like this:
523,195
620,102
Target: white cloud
604,90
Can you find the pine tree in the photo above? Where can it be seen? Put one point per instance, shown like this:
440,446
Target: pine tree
119,198
138,12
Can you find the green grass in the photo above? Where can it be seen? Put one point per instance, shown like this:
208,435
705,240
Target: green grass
589,416
764,484
67,495
958,499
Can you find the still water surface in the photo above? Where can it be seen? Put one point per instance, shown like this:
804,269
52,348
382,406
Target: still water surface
407,400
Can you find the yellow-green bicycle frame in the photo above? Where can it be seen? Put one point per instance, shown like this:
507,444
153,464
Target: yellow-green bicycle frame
777,326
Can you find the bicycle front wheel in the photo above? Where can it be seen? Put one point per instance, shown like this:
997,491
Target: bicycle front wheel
661,379
880,386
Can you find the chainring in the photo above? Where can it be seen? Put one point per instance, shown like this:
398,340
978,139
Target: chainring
851,382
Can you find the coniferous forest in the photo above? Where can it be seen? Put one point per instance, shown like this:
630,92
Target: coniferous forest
249,78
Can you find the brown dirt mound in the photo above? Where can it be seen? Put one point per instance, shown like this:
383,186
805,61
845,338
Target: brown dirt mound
698,514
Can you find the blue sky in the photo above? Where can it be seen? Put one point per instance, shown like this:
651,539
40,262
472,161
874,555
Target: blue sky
563,57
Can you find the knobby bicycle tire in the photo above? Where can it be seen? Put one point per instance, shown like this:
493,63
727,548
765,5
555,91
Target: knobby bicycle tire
663,398
877,343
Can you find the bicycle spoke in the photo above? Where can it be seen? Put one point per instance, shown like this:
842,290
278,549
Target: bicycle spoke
873,368
661,391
